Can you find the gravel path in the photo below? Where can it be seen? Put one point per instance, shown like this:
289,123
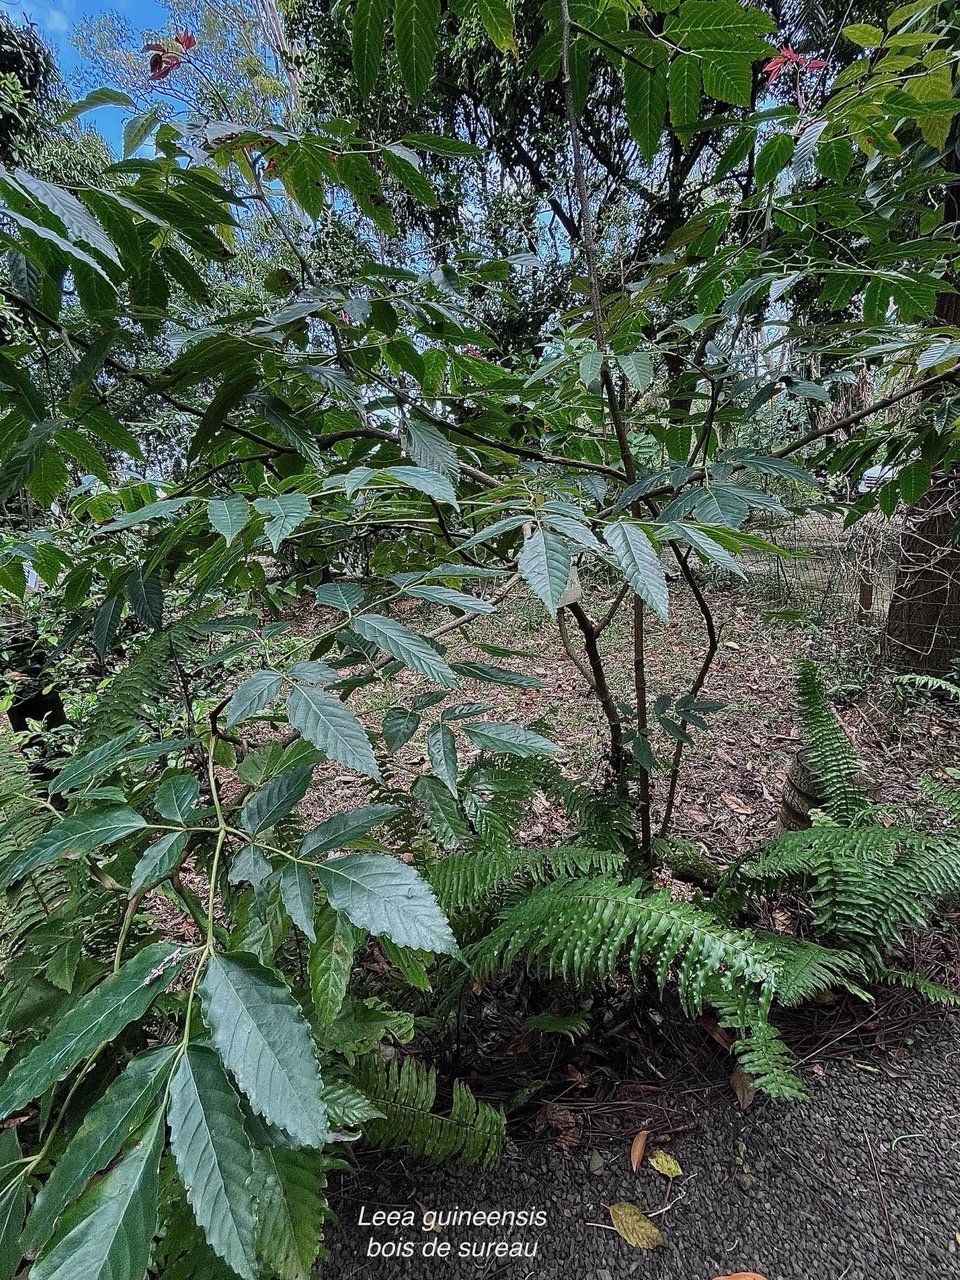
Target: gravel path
863,1183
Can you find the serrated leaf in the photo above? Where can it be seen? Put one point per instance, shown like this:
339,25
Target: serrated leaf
773,157
441,811
106,1128
253,694
451,598
284,514
344,596
75,216
332,727
280,795
331,959
590,368
176,797
495,675
497,19
384,896
399,726
708,548
158,860
634,1226
95,1020
429,448
442,750
509,739
108,1235
639,564
146,598
664,1163
293,1209
370,20
431,483
228,516
728,78
214,1158
864,34
645,102
48,476
835,159
415,37
264,1041
404,645
342,828
683,89
544,563
637,367
296,890
79,834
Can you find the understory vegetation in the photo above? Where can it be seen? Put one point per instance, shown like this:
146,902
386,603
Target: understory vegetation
369,330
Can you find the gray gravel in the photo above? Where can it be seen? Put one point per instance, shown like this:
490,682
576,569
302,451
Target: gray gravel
863,1183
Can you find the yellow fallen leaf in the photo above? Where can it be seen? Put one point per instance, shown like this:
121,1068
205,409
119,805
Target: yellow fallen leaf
637,1148
664,1163
635,1227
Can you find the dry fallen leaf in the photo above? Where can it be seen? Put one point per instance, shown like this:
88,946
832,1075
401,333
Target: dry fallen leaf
745,1090
635,1227
664,1163
742,1275
637,1148
734,803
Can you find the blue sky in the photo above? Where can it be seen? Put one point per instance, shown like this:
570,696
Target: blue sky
57,18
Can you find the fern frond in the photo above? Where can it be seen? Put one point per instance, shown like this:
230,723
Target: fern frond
929,683
804,968
572,1025
581,929
406,1093
463,880
923,986
148,677
760,1050
944,794
834,761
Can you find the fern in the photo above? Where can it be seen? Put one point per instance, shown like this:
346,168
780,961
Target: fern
944,794
582,929
465,880
928,683
804,969
835,763
762,1054
923,986
150,676
406,1093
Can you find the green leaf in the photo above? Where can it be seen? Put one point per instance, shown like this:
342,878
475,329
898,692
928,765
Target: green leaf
48,476
108,1235
683,89
404,645
345,596
509,739
293,1210
137,130
13,1204
497,19
399,726
331,959
285,514
429,448
99,98
265,1043
441,811
415,37
228,516
106,1128
834,159
214,1158
159,860
728,78
152,511
637,368
332,727
343,828
442,750
453,599
645,101
495,675
431,483
774,156
75,216
296,890
639,564
864,34
253,694
276,800
384,896
146,598
544,562
79,834
711,550
590,368
442,146
176,797
95,1020
370,19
